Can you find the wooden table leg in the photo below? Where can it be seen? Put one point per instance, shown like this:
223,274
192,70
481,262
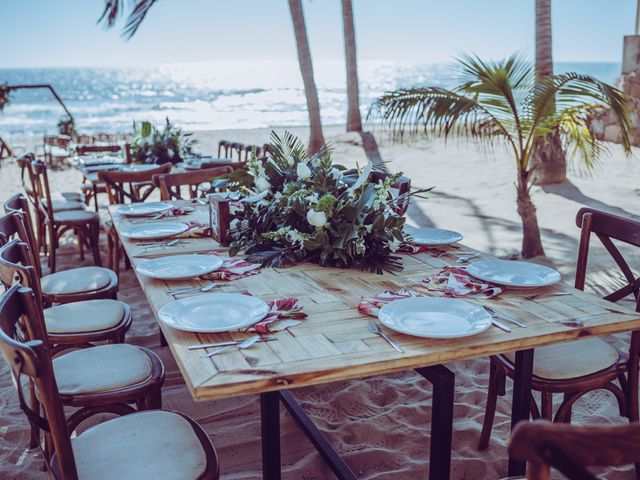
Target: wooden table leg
521,404
443,381
270,422
95,195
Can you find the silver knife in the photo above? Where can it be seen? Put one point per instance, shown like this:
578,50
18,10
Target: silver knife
501,326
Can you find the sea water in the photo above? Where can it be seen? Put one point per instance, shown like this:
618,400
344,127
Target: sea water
204,96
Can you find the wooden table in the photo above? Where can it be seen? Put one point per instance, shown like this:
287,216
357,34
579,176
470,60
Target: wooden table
334,342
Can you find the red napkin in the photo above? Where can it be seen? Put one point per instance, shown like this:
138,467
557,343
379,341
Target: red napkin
372,305
232,269
283,313
456,282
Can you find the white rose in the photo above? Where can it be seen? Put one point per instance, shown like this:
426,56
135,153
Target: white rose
262,183
317,219
170,152
335,173
290,161
303,171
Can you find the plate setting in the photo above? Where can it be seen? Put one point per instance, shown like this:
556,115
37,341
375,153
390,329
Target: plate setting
430,317
214,312
144,209
154,230
514,273
178,267
432,236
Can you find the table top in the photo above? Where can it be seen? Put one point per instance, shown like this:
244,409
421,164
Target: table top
334,342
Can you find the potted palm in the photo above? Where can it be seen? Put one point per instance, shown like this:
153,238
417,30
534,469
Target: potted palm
502,102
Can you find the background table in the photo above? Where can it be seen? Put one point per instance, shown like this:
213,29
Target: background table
334,342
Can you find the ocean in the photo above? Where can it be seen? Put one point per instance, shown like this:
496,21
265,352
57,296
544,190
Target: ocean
211,96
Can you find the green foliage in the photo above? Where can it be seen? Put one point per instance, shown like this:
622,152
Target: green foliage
66,126
501,101
152,145
300,207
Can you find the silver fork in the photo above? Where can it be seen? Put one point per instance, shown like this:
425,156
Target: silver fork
547,294
495,315
375,329
195,288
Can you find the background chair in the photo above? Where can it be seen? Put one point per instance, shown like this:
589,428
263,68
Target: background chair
569,449
576,368
56,149
86,225
150,444
170,184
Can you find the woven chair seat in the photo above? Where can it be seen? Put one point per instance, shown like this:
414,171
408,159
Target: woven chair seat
101,369
75,216
83,317
572,360
76,280
64,205
154,444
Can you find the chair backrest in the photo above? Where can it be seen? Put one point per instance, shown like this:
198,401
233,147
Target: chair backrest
26,175
170,183
608,227
62,141
120,187
402,185
31,358
91,148
17,223
571,448
43,192
16,264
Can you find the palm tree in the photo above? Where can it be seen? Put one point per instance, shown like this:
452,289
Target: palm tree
501,101
548,156
354,120
114,8
316,140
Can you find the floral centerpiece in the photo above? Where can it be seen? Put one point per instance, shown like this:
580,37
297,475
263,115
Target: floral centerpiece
152,145
300,207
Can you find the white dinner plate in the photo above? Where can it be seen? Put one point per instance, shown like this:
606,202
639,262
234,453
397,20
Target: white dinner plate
513,273
214,312
147,231
143,167
430,317
177,267
144,209
432,236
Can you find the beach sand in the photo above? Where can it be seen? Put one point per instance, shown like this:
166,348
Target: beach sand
380,425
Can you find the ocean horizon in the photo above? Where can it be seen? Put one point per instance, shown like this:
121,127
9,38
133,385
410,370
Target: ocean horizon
213,95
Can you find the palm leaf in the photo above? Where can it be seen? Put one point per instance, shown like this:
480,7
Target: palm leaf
114,8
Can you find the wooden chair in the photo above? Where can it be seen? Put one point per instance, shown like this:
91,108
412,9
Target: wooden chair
56,149
86,225
76,284
126,187
232,150
70,325
170,184
85,149
150,444
576,368
69,201
90,190
570,449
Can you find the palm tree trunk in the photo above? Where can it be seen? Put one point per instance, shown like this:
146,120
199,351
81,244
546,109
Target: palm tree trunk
531,241
354,120
549,159
316,140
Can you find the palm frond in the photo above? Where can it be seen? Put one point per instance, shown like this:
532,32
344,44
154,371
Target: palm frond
115,8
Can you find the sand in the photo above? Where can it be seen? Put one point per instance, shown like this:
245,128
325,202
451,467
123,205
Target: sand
380,425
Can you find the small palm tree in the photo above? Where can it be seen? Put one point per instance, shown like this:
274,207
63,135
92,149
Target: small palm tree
502,102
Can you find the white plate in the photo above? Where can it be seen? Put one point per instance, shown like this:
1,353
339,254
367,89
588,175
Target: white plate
430,317
138,168
177,267
432,236
144,209
214,312
147,231
512,273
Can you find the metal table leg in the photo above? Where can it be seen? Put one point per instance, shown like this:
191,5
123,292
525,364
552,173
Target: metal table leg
443,381
521,405
270,423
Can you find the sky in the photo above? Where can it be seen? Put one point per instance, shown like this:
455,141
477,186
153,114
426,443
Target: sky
60,33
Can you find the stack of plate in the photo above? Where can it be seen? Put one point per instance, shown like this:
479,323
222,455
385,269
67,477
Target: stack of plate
514,274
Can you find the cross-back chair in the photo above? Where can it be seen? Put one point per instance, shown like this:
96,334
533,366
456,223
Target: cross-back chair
86,225
171,184
569,449
69,201
126,187
576,368
73,285
150,444
56,149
